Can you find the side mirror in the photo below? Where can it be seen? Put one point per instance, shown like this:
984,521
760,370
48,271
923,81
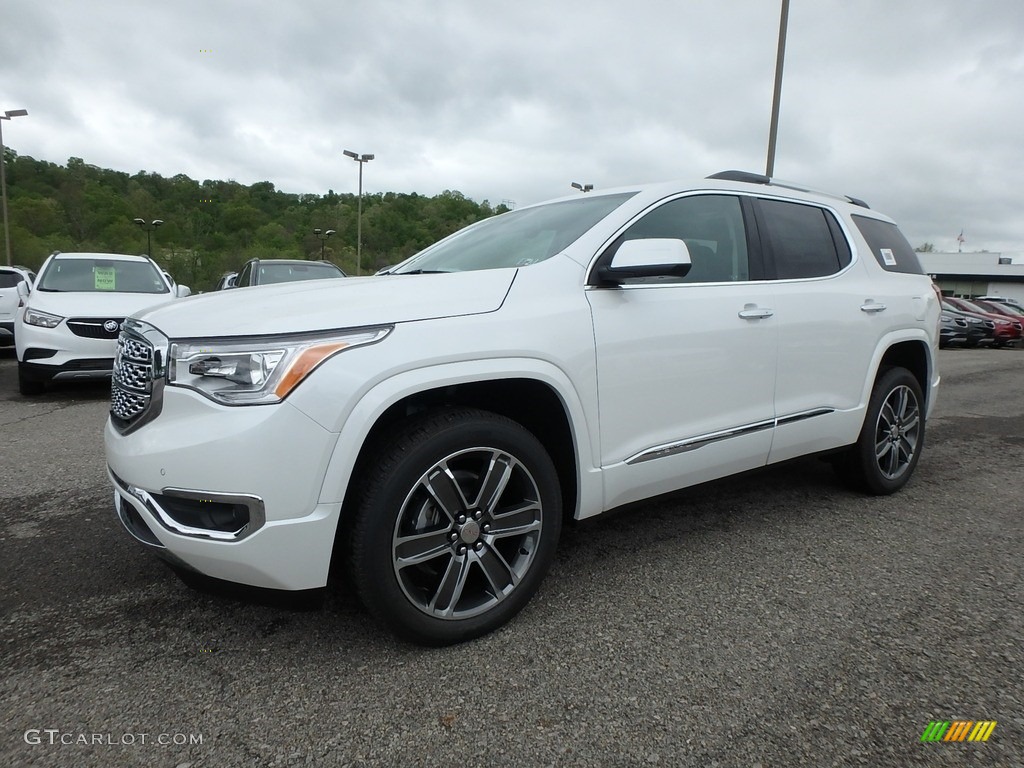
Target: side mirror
23,290
182,291
652,257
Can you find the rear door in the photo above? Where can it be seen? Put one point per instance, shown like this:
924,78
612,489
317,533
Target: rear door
828,322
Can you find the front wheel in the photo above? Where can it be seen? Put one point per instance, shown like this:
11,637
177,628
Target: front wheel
27,385
890,443
456,524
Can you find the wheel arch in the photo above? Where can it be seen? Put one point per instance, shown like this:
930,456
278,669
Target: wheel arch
532,393
915,356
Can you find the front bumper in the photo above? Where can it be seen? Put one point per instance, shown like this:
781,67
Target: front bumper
266,461
57,353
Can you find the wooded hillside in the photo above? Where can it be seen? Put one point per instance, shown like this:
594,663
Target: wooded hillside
212,227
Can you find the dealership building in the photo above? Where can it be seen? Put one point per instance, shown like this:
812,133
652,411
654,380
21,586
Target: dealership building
977,274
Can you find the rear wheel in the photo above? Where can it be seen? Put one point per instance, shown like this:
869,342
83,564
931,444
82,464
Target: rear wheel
27,385
457,523
890,443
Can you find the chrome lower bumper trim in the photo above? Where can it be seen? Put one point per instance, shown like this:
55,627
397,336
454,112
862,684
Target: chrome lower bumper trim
254,504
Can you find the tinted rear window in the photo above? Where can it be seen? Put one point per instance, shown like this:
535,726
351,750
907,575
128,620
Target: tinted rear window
890,247
805,240
9,279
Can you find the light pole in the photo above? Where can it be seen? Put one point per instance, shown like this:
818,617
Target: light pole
582,187
3,178
780,59
323,239
362,160
149,233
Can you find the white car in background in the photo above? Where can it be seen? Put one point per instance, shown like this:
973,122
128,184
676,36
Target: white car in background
68,325
9,279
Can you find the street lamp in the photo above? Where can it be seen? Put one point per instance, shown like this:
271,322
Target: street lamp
323,239
361,159
149,233
3,178
582,187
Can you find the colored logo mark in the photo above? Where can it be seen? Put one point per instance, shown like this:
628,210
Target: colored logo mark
958,730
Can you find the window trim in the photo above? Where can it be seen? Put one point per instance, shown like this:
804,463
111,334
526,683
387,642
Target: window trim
756,265
771,273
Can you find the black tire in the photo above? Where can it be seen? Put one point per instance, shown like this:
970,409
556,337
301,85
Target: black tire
27,385
891,439
457,519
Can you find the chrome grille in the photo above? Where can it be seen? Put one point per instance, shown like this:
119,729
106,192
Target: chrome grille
125,405
137,381
95,327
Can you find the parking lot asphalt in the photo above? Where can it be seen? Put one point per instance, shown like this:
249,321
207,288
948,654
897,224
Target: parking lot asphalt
775,619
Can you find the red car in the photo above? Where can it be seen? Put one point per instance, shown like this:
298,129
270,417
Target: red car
1007,330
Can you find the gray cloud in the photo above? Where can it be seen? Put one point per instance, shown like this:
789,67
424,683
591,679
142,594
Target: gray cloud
914,106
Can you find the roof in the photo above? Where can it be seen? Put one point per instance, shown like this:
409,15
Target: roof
113,256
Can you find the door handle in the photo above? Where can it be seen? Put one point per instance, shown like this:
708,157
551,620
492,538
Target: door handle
871,307
754,313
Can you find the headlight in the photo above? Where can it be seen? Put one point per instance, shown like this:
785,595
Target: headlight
258,371
42,319
946,318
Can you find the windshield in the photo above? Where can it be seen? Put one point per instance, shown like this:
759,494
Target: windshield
287,273
515,239
972,307
1003,309
102,276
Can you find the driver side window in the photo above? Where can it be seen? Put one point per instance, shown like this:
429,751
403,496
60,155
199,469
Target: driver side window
711,226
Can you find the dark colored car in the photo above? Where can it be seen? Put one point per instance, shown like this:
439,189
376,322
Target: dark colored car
268,271
980,330
1007,331
952,330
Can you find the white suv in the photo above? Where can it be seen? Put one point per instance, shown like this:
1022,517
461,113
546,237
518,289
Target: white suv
69,322
10,298
428,428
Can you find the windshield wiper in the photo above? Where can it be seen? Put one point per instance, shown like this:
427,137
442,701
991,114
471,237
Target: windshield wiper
422,272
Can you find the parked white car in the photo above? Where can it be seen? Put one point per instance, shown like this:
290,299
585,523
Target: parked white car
68,325
426,429
9,299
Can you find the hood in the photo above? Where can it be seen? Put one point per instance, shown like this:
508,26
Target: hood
94,303
318,305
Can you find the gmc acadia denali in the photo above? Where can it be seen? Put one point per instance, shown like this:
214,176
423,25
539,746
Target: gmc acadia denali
428,428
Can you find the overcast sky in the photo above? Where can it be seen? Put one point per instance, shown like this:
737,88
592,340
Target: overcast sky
917,106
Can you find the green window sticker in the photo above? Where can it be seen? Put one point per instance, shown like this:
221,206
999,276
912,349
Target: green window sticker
104,277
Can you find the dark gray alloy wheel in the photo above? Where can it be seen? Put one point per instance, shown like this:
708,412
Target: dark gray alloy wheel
891,440
456,527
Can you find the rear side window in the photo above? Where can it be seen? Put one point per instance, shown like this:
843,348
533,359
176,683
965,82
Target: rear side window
9,279
890,247
803,240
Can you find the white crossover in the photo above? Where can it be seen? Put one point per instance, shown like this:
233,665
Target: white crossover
426,430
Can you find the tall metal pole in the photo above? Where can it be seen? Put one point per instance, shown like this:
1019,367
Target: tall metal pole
359,225
777,95
362,160
3,178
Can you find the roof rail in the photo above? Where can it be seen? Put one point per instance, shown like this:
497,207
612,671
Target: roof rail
759,178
